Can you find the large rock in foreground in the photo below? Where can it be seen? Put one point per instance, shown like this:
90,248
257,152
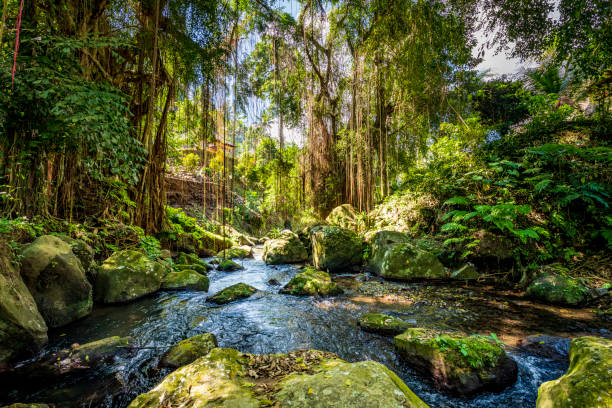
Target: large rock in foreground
232,293
335,248
555,288
189,350
300,379
458,364
127,275
407,262
588,381
311,282
285,249
56,280
22,329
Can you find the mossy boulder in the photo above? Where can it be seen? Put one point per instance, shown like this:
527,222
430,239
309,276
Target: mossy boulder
558,289
311,282
127,275
86,254
232,293
335,249
344,216
285,249
407,262
380,242
300,379
188,350
491,250
228,266
383,324
588,381
185,279
462,365
193,261
21,405
23,330
57,281
239,252
466,272
195,267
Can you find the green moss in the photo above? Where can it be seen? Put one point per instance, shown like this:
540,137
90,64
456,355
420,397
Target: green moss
232,293
96,350
188,350
195,267
312,282
466,272
380,243
407,262
228,265
235,252
185,279
588,381
344,216
286,249
556,288
335,248
383,324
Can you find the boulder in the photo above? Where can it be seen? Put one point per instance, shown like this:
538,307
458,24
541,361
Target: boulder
588,381
240,252
344,216
127,275
228,266
407,262
491,250
21,405
185,279
86,254
463,365
380,242
550,347
383,324
188,350
466,272
23,330
311,282
335,249
165,254
57,281
232,293
299,379
195,267
285,249
558,289
193,261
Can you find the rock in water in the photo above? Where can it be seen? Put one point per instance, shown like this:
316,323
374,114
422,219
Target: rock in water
228,266
300,379
383,324
56,280
344,216
20,405
240,252
189,350
555,288
463,365
285,249
185,279
22,329
588,381
232,293
407,262
380,243
335,248
311,282
127,275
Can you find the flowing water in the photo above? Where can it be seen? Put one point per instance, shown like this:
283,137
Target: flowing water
265,323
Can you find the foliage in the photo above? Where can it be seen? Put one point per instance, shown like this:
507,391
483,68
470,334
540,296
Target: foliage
190,161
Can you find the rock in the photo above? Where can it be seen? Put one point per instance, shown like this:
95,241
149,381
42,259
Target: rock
57,281
246,240
127,275
23,330
588,381
240,252
491,250
380,242
300,379
228,265
558,289
185,279
86,254
285,249
213,243
463,365
335,249
273,282
195,267
193,261
21,405
311,282
165,254
407,262
189,350
344,216
466,272
383,324
551,347
232,293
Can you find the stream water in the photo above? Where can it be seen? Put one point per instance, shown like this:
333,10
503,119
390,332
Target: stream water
265,323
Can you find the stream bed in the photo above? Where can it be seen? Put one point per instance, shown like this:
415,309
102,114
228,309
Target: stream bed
269,322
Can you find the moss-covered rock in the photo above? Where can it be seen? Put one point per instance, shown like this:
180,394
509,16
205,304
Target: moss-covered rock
460,364
127,275
193,262
23,330
239,252
588,381
407,262
285,249
232,293
188,350
21,405
228,266
344,216
195,267
466,272
185,279
556,288
57,281
491,250
86,254
301,379
383,324
311,282
380,242
335,249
